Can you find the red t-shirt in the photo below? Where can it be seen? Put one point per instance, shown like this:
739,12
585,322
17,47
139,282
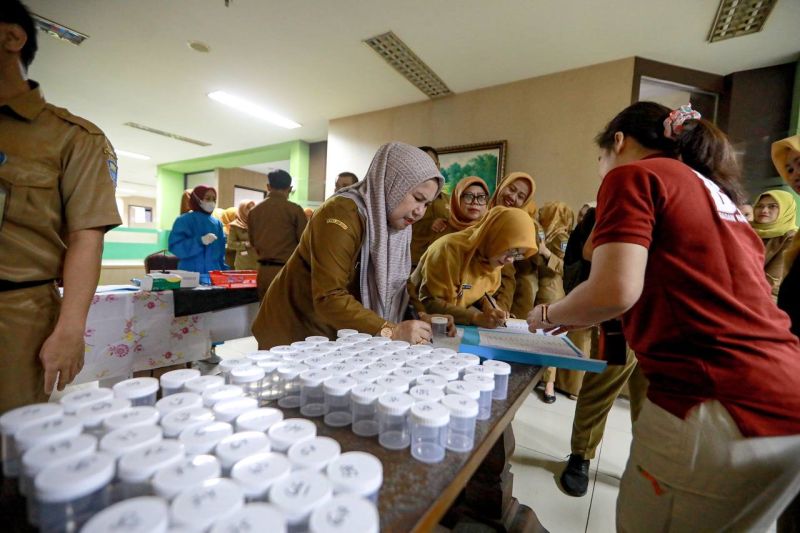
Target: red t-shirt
705,326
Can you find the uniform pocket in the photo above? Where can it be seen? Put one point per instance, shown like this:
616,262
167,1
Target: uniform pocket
33,198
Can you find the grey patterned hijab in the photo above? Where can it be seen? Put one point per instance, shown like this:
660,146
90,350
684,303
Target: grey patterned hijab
396,170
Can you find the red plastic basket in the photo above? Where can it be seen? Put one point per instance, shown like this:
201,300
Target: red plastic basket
234,279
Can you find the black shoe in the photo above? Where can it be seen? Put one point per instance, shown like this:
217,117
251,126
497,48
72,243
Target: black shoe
575,477
549,398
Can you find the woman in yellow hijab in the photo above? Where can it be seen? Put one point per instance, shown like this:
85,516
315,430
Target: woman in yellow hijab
245,257
463,268
775,213
468,203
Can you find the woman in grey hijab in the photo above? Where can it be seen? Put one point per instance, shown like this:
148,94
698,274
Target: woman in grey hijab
352,265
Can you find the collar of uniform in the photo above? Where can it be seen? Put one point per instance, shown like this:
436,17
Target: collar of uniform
29,104
282,195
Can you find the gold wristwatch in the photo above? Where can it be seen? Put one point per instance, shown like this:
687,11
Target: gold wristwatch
387,330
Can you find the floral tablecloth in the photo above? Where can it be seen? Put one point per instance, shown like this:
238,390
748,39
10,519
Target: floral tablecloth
128,331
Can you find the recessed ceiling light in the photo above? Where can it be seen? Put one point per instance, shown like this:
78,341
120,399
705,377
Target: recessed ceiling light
252,109
199,46
132,155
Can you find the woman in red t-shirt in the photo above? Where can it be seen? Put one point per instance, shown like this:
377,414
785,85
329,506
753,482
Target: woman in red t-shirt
717,444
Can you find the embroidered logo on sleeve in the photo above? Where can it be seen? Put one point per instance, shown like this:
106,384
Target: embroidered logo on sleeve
563,246
112,170
338,223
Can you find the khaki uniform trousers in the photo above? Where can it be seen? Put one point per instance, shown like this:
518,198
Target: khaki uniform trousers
700,474
597,396
27,318
266,273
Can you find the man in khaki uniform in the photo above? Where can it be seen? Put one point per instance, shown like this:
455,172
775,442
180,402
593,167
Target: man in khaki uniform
433,225
57,179
276,225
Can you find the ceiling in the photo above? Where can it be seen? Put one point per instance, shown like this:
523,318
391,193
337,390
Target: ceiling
306,60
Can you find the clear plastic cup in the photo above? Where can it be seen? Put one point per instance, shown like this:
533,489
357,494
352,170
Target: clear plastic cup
312,394
289,379
461,429
250,379
258,419
393,427
226,366
143,415
426,393
47,432
190,472
175,422
317,339
337,401
393,384
257,473
299,495
230,410
313,454
342,333
366,375
364,404
147,514
203,383
448,372
346,513
287,432
136,469
201,506
357,473
439,327
225,392
238,446
432,381
125,440
485,384
272,387
502,371
428,421
80,398
177,401
172,382
203,438
409,374
140,391
263,516
92,416
16,419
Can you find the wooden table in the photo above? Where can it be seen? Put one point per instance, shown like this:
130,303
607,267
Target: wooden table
417,496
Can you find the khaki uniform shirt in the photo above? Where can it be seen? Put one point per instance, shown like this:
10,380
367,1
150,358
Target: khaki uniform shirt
551,271
57,175
422,235
239,242
275,226
774,249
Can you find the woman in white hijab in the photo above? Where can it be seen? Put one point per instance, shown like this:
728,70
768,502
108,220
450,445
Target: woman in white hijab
352,265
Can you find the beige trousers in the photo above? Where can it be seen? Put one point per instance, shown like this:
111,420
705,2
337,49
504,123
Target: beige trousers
700,474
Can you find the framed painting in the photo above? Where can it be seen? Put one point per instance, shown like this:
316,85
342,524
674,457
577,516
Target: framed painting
485,160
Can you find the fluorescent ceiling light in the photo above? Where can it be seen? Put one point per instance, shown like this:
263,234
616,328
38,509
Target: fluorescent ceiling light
252,109
133,155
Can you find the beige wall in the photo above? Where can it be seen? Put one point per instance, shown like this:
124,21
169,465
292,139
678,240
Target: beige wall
317,161
549,123
228,178
140,201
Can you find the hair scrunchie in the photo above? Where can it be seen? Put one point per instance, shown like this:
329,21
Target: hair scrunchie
673,124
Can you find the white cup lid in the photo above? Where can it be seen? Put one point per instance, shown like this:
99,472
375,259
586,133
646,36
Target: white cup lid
170,481
53,453
203,383
460,405
445,352
314,454
426,393
366,375
345,513
358,473
146,514
226,365
92,415
289,371
74,479
447,372
75,400
470,390
125,440
360,337
233,449
176,421
140,465
176,402
261,355
484,382
317,339
422,363
379,341
395,404
399,345
441,320
479,370
393,383
328,346
225,392
258,419
365,393
47,431
458,363
283,350
143,415
381,366
317,361
339,369
175,379
342,333
131,389
250,374
501,368
469,358
420,349
16,419
269,367
257,473
202,438
432,381
314,377
339,386
301,492
229,410
286,432
359,361
303,345
212,500
253,517
408,373
432,414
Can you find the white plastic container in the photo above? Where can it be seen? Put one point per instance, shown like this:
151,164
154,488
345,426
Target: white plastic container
313,454
191,472
342,333
383,367
203,438
203,383
439,327
290,431
364,405
447,353
251,518
317,339
409,374
261,355
177,421
426,393
140,391
256,474
318,361
92,416
399,345
312,394
289,379
136,469
37,459
480,370
70,493
47,432
200,506
432,381
421,363
16,419
258,419
303,345
393,427
337,401
298,495
282,351
485,384
272,387
379,341
125,440
470,390
250,379
80,398
359,361
177,401
366,375
147,514
428,421
172,382
393,384
144,415
468,358
338,370
419,349
502,371
448,372
226,366
346,513
230,410
225,392
461,429
357,473
238,446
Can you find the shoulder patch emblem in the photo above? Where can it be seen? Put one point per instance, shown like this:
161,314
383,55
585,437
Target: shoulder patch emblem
112,170
563,246
338,223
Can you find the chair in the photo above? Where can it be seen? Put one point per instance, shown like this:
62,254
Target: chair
161,260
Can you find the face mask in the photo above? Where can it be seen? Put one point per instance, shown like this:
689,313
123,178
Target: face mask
208,207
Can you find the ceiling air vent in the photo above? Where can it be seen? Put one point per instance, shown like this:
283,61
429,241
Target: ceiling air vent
166,134
740,17
58,31
406,62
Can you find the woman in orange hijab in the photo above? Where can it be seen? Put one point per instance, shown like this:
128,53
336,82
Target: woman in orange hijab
245,257
468,203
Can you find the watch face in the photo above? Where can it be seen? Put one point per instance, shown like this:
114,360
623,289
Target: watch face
386,332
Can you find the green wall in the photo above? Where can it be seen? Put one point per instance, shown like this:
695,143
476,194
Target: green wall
169,188
132,250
